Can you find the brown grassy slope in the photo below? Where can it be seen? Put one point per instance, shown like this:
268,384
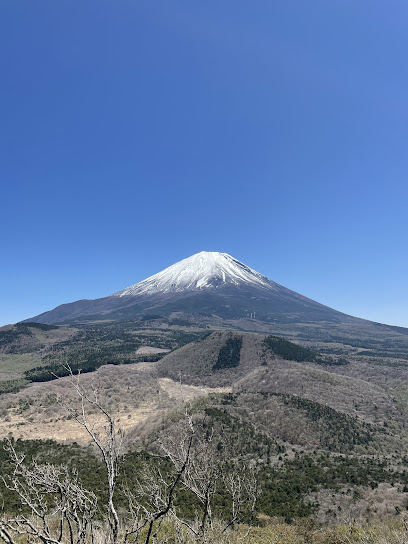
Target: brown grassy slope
131,393
353,396
259,370
248,421
359,388
194,363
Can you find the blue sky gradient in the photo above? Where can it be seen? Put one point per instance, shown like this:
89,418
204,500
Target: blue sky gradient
135,133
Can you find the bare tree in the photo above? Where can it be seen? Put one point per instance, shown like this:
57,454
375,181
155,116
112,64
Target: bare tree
59,508
208,473
152,497
199,467
104,435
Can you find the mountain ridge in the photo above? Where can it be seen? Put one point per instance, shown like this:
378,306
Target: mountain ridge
206,285
210,283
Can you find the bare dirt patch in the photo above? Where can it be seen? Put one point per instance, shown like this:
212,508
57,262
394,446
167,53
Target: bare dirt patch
182,392
148,350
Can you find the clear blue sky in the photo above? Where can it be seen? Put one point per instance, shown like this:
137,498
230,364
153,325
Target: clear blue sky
134,133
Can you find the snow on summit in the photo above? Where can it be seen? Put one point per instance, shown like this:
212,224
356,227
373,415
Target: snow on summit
208,269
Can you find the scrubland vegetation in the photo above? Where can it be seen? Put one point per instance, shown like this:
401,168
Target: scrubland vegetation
316,433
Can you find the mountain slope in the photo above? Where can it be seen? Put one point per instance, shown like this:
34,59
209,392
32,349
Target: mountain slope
208,283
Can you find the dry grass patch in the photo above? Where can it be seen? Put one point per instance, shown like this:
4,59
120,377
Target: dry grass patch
131,393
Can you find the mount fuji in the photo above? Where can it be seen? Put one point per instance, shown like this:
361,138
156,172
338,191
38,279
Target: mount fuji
207,284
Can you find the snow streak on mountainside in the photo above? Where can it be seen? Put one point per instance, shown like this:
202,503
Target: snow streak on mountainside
200,271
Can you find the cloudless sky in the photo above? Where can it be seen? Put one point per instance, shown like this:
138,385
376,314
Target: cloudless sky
134,133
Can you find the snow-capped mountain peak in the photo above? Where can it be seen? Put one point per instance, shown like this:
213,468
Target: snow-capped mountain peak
207,269
209,284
